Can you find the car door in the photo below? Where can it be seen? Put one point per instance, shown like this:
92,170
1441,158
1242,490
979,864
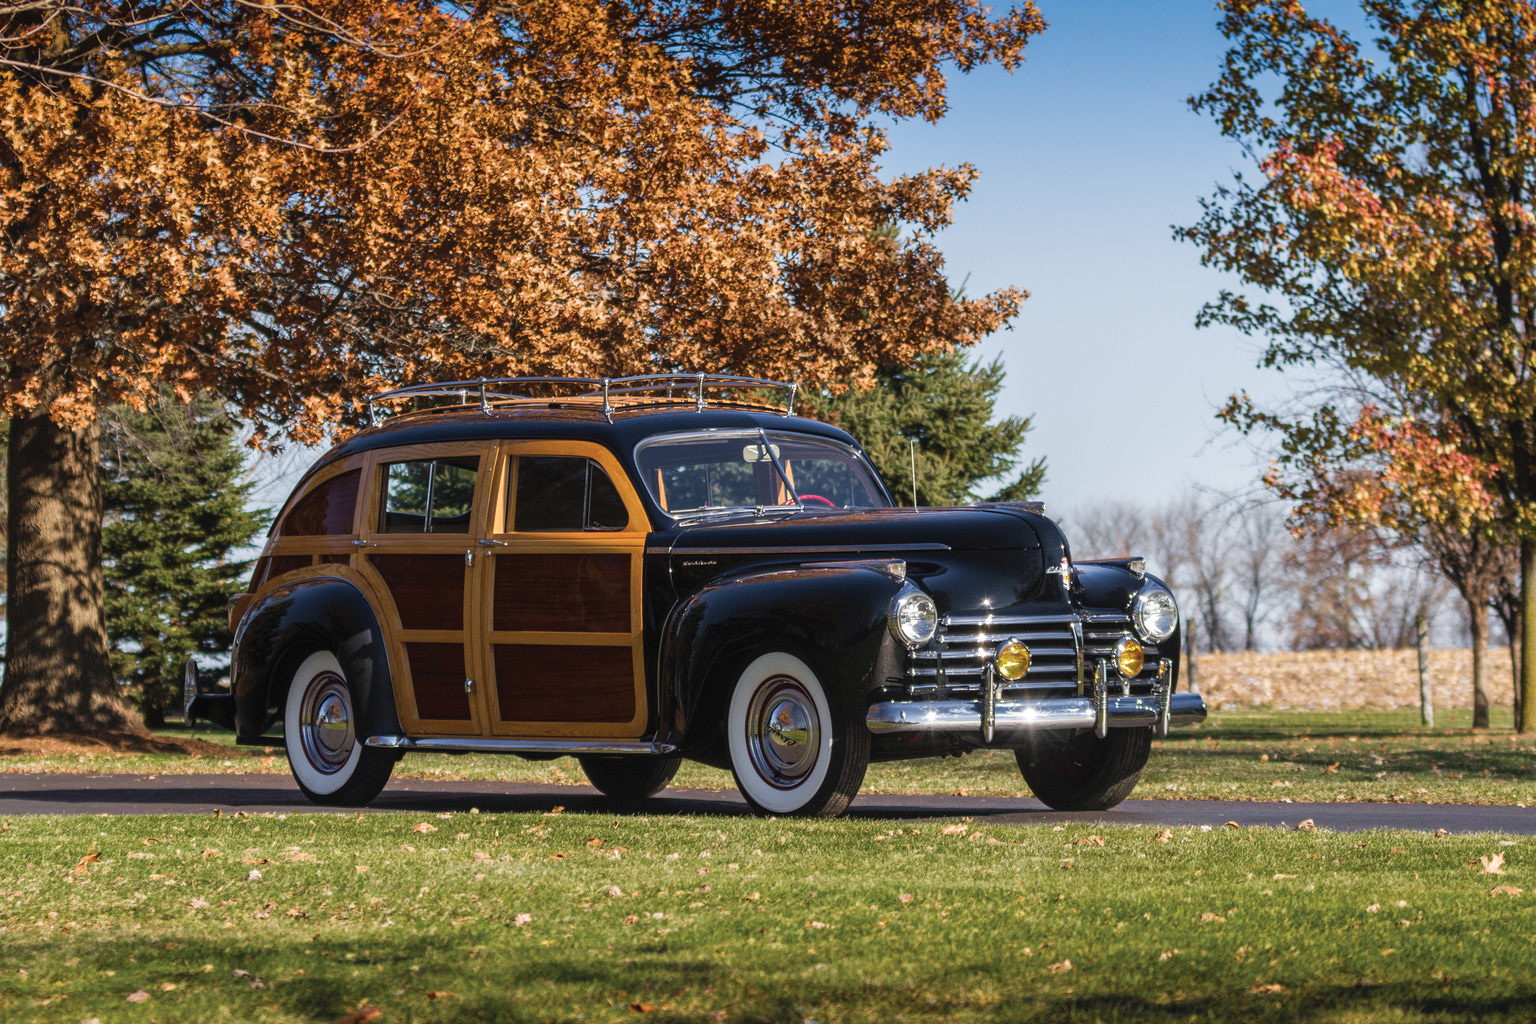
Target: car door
425,512
561,582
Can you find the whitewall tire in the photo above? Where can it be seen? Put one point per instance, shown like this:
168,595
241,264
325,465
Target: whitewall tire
790,751
325,752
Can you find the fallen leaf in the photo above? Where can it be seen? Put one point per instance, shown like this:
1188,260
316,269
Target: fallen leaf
1162,837
362,869
1277,877
905,897
1208,917
594,842
1060,967
642,1007
1230,824
138,996
197,903
1491,865
167,986
424,826
1505,890
253,876
238,973
957,829
614,890
1373,908
1306,826
557,809
362,1015
85,862
1332,769
1169,955
407,847
441,995
522,919
631,919
818,924
211,852
1267,988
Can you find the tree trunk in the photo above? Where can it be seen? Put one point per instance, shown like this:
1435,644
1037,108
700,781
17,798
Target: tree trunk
58,674
1479,615
1527,717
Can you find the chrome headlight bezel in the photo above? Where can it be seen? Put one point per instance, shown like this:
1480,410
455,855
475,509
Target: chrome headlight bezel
913,617
1152,608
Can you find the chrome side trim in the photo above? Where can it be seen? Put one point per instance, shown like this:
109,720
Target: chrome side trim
496,745
955,716
813,549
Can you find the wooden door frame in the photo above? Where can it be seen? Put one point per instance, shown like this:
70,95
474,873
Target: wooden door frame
370,494
629,541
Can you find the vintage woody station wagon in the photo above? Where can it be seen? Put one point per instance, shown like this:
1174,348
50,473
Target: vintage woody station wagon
637,571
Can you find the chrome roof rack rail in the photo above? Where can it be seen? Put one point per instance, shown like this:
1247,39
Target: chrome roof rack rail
609,393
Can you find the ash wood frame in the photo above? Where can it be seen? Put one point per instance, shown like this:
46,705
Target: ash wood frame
629,541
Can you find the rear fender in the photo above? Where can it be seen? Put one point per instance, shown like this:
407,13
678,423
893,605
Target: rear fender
288,624
833,617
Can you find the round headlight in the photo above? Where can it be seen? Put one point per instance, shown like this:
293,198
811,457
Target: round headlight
1130,659
1156,614
1012,660
914,617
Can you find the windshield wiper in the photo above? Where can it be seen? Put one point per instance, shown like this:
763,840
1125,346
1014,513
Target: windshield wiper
783,473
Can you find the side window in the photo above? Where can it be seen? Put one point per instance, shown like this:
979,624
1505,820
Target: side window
564,494
326,510
429,496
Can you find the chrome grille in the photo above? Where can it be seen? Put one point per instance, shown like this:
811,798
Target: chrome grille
954,662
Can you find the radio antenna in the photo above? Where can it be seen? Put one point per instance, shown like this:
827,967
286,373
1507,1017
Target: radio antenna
913,442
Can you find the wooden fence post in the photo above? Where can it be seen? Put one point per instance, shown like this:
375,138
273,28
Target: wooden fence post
1426,691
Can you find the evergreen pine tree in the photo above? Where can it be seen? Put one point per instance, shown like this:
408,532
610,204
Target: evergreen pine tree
174,509
946,405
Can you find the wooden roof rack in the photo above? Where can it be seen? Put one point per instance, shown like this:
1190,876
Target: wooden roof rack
607,393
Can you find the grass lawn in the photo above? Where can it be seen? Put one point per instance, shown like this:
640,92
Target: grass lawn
1250,755
566,917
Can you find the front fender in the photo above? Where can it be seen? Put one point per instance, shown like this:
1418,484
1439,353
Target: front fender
834,616
288,624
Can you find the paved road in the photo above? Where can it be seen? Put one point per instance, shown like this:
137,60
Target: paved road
203,794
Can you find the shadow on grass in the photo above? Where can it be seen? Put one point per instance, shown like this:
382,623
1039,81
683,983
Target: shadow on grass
482,975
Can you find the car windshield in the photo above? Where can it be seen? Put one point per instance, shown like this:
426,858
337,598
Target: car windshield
694,472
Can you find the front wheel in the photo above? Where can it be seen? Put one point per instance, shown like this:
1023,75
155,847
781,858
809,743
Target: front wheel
790,751
328,759
1077,771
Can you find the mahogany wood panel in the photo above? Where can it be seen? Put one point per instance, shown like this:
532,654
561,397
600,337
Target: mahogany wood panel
566,593
276,565
437,677
549,683
326,510
428,589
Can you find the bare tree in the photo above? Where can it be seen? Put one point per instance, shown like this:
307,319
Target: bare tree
1474,564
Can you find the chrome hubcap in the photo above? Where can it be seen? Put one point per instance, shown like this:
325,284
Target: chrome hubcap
783,732
325,723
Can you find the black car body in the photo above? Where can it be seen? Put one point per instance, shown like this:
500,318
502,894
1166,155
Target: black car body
639,572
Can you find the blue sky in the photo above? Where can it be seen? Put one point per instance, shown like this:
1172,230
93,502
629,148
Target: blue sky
1088,154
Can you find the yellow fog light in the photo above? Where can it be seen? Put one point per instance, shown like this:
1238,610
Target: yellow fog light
1012,660
1129,658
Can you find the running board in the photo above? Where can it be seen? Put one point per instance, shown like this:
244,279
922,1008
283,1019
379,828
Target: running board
493,745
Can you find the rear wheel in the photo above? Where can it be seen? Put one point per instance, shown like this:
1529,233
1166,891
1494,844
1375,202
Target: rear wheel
1077,771
328,759
790,751
628,779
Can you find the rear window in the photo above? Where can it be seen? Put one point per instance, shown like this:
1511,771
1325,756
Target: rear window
326,510
429,495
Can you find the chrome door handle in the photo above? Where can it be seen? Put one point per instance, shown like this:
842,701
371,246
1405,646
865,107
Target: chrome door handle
364,544
492,543
469,686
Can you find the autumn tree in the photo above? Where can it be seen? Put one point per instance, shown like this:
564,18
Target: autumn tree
1389,244
291,205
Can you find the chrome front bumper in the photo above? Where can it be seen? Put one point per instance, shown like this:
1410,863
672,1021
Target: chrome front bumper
956,716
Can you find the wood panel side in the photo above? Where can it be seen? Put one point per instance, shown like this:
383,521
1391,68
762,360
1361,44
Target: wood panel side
428,590
547,683
567,593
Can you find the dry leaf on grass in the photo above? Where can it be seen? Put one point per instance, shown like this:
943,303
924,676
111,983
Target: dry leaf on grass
905,897
1306,826
1089,841
1210,918
1493,865
1505,890
1230,824
1267,988
642,1007
254,876
362,1015
1168,955
138,997
1162,837
557,809
167,986
211,852
1060,967
441,995
957,829
85,862
424,826
614,890
522,919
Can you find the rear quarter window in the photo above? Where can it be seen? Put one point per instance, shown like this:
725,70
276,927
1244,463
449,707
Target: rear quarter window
327,509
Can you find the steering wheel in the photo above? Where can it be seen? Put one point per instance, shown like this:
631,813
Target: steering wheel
816,497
